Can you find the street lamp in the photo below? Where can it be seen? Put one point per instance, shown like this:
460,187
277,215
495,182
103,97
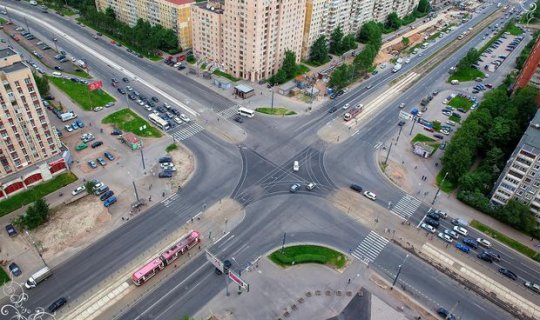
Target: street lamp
36,247
398,272
439,189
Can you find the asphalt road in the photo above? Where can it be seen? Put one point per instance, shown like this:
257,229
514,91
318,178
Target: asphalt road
262,185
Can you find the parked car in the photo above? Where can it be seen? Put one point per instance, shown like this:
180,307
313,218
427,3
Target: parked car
356,187
101,161
463,247
165,159
126,80
432,222
109,202
78,190
14,269
451,233
81,146
370,195
311,185
295,187
445,237
445,314
106,195
428,227
92,164
116,132
165,174
485,257
10,229
461,230
108,155
96,144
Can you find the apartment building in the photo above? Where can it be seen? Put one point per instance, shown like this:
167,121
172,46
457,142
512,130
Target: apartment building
30,151
530,73
361,12
520,178
253,35
171,14
382,8
404,7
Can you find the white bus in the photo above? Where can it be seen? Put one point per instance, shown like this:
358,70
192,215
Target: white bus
160,123
246,112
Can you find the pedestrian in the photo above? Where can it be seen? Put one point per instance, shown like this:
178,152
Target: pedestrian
199,247
175,265
123,219
416,167
349,280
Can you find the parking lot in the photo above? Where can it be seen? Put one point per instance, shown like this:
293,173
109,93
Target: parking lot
496,54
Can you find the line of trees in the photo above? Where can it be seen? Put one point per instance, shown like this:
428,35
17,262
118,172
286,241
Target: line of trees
341,43
488,137
42,84
287,71
371,35
394,22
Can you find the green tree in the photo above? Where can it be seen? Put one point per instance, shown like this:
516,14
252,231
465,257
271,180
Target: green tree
335,41
525,100
280,77
393,21
319,51
289,64
370,32
476,181
338,79
109,12
36,214
42,84
405,41
348,43
423,6
90,187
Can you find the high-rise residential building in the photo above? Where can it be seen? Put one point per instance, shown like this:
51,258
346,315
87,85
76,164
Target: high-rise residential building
26,135
404,7
171,14
253,35
520,178
361,12
315,23
382,8
530,72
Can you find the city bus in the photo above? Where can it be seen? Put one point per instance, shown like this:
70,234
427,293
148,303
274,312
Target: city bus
152,267
246,112
160,123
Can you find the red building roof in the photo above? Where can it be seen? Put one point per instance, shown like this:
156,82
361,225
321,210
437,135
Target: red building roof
529,68
180,2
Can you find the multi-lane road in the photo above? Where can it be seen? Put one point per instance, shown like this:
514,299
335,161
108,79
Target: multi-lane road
257,174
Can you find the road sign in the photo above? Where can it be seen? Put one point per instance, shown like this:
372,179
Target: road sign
214,260
238,280
405,115
95,85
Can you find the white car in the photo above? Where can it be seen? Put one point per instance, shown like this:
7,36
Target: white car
129,88
445,132
428,227
184,118
441,214
451,233
310,186
484,242
461,230
68,128
96,109
445,237
402,105
346,106
171,167
167,164
79,190
407,60
296,166
178,120
370,195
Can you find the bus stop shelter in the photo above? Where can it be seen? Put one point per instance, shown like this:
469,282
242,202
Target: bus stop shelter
244,91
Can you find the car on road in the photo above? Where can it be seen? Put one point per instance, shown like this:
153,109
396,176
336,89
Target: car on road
401,105
401,123
486,257
346,106
484,242
10,229
165,174
184,118
295,187
116,132
451,233
109,202
101,161
445,237
311,185
121,91
57,304
126,80
432,222
108,155
81,146
179,121
92,164
445,314
470,242
441,214
356,187
433,216
532,286
428,227
369,86
494,256
332,110
461,230
78,190
370,195
295,166
508,273
14,269
96,144
238,119
463,247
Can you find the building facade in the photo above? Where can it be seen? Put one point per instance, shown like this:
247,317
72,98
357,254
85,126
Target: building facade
530,73
253,35
520,178
171,14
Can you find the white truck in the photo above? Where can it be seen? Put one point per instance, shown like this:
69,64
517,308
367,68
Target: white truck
67,116
80,63
397,67
38,277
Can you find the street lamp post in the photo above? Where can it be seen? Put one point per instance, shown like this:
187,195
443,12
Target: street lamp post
37,249
412,127
272,104
398,272
439,189
388,153
399,133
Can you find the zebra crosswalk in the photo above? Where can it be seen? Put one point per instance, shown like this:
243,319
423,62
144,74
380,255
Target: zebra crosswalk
228,113
368,250
187,132
406,206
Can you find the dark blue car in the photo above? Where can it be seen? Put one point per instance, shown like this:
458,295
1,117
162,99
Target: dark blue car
109,202
470,242
462,247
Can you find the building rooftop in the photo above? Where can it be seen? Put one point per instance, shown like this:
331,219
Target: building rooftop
180,2
213,6
14,67
531,137
7,52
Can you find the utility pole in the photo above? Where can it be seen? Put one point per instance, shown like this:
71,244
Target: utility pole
399,133
398,272
439,189
37,249
26,22
272,105
283,242
142,158
388,153
414,121
136,193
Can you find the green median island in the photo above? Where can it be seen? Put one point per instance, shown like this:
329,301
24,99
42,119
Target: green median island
460,102
293,255
127,120
276,111
80,94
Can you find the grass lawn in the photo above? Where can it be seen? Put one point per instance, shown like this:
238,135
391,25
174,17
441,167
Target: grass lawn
154,58
39,191
422,138
455,119
129,121
516,245
436,126
171,147
515,31
276,111
79,93
301,69
447,186
466,74
308,254
225,75
2,21
460,102
4,277
82,74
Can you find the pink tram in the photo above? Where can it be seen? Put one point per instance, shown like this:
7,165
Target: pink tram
152,267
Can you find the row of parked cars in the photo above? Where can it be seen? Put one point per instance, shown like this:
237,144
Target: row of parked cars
167,167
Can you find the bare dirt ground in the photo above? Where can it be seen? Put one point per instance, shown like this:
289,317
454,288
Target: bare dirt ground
397,174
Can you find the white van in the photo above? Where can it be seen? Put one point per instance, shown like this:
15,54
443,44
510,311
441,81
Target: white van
454,82
57,74
296,166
